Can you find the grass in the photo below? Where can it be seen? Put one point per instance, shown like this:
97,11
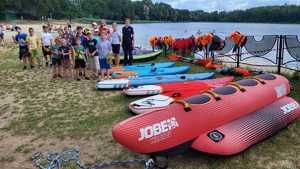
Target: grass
59,114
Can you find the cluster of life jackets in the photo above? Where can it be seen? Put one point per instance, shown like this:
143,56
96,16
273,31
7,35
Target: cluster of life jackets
157,41
214,42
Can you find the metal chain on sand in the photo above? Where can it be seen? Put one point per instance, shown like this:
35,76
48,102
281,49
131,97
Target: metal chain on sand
58,160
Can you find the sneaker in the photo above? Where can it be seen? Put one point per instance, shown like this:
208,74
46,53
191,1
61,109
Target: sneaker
24,68
60,76
54,77
86,78
31,67
78,79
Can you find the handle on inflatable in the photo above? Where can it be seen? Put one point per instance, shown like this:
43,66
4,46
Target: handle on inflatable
214,94
176,94
259,80
153,69
241,88
187,106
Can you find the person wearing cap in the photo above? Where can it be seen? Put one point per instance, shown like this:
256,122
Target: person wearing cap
92,54
103,27
128,42
22,40
46,40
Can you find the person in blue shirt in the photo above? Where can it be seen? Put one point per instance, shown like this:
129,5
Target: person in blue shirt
104,48
22,40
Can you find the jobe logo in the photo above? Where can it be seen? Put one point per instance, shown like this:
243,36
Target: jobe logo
289,107
158,128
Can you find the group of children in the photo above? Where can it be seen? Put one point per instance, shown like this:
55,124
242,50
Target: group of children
87,51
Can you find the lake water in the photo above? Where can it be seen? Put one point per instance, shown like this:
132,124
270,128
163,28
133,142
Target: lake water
180,30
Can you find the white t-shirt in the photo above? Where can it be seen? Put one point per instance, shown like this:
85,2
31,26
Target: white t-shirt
115,38
1,30
47,38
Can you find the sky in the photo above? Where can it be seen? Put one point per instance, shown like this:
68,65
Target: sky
224,5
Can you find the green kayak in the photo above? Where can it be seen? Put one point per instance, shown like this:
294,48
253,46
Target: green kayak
141,55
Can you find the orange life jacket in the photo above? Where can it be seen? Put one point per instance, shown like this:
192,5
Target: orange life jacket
154,41
238,38
168,40
207,39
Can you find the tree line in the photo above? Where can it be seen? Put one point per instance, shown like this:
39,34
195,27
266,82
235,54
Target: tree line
142,10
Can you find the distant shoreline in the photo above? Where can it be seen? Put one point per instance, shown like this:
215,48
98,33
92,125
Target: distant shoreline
88,21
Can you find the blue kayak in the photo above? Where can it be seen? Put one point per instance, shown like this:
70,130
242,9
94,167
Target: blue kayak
140,81
152,80
152,72
149,66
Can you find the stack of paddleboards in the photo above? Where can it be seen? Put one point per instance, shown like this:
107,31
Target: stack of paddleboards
150,74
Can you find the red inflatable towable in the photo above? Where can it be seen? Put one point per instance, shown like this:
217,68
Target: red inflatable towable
223,121
187,89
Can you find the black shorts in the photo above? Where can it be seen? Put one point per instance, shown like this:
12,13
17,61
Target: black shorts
80,63
2,36
24,52
56,61
46,51
116,48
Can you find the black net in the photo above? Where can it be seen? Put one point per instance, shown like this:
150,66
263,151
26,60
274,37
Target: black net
293,46
228,47
262,47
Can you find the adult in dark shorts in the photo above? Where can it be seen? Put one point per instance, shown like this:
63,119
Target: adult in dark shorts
128,42
116,43
21,39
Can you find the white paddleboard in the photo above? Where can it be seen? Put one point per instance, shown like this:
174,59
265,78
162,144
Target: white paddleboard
113,84
143,90
148,104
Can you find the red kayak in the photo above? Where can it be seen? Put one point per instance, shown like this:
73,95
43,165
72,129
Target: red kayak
223,121
172,91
